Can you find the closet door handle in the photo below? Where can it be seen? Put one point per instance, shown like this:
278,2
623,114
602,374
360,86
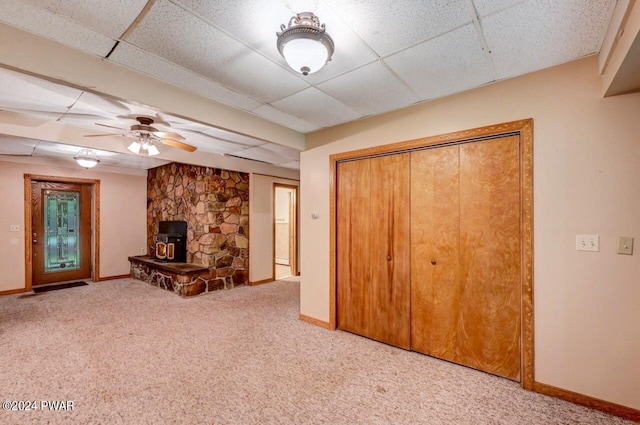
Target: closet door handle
433,262
388,258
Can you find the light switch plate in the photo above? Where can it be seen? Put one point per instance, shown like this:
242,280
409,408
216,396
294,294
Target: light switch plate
14,228
588,243
625,245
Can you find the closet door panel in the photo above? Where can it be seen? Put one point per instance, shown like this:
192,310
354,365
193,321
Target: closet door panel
490,256
353,222
390,250
435,282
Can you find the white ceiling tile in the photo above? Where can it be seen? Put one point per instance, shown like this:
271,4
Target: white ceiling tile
55,27
207,143
447,64
219,133
543,33
260,78
487,7
111,17
135,58
23,93
10,145
261,154
95,103
253,21
295,165
317,108
284,151
180,37
272,114
370,90
389,25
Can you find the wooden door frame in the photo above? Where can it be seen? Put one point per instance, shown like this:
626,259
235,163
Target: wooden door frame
521,128
293,261
95,214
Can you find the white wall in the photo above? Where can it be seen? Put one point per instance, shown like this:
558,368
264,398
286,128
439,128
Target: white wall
586,181
122,215
261,225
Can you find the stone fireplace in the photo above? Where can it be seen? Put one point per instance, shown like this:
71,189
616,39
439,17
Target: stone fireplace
215,205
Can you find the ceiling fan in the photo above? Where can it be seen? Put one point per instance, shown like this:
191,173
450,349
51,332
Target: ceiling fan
145,136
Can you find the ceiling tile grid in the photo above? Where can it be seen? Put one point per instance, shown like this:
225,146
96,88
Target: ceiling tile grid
111,17
539,34
55,27
487,7
450,63
390,25
370,90
176,35
270,113
255,22
145,62
389,54
317,108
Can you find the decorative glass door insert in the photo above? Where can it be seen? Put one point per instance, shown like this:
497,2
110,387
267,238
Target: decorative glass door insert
62,231
61,225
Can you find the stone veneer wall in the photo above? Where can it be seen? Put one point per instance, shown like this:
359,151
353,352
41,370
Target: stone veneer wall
215,205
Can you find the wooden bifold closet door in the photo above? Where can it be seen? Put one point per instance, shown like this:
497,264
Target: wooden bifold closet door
428,252
465,255
373,258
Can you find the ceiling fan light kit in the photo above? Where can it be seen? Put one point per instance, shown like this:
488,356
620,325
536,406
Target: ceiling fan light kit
305,44
145,136
144,145
86,158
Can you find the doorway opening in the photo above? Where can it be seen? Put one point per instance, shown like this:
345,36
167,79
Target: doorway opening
61,229
285,231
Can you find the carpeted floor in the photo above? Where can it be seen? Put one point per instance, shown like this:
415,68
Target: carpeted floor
128,353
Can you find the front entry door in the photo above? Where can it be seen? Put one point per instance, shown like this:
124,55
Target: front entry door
61,226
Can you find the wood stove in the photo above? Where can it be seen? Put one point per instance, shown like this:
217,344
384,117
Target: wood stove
171,241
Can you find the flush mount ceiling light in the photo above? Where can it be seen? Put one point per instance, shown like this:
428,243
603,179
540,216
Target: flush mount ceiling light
87,158
305,44
143,145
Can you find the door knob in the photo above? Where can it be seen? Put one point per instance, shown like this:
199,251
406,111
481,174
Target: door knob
433,262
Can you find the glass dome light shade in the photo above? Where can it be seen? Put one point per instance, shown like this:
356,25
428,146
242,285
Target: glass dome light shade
87,158
305,55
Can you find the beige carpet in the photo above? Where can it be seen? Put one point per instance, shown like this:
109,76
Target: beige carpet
128,353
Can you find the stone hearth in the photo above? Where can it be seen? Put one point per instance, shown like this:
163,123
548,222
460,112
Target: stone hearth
184,279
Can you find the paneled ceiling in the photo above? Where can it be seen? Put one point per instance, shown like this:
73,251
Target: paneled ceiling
389,54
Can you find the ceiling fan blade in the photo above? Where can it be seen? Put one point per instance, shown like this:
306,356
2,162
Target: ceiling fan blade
104,135
167,135
179,145
110,126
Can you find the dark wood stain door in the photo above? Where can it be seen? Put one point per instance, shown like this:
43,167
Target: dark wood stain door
61,238
373,248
